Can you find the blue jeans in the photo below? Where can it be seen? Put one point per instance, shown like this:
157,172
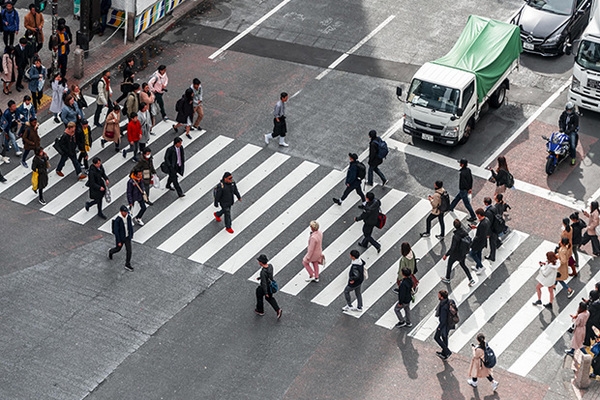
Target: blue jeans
464,196
476,256
441,338
573,140
227,212
12,140
563,284
370,174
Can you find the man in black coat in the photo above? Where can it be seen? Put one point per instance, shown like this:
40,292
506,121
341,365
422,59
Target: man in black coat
97,182
352,180
480,240
175,161
224,197
404,299
122,228
465,187
441,333
369,217
374,160
23,54
490,214
67,148
568,122
264,288
457,252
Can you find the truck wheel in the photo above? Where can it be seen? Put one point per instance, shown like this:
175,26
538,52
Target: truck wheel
550,166
498,97
468,131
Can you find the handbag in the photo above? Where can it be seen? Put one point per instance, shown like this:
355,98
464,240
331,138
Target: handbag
381,219
107,195
155,181
34,180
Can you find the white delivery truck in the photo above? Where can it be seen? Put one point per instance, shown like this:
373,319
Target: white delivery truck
446,96
585,87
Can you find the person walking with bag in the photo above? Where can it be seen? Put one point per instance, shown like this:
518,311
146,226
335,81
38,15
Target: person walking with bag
465,188
31,139
437,209
564,254
376,146
67,144
404,299
356,173
264,289
84,141
185,112
458,252
223,197
112,128
104,96
146,124
577,225
198,108
40,165
590,234
407,260
477,369
136,193
134,135
490,213
128,79
59,89
146,96
37,76
98,183
356,276
369,217
175,163
579,321
501,175
546,278
279,124
442,311
314,253
146,165
122,228
480,239
158,85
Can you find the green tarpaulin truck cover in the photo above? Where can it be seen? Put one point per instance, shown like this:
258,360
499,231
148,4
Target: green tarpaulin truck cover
486,48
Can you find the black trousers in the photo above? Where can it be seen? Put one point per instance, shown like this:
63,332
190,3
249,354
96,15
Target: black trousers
493,239
36,98
20,73
441,338
430,218
98,203
260,294
462,264
159,100
368,232
117,248
349,189
173,179
9,38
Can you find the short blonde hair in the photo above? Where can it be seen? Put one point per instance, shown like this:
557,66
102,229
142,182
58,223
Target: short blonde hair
314,225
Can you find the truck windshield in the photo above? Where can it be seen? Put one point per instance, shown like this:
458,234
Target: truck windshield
561,7
588,55
433,96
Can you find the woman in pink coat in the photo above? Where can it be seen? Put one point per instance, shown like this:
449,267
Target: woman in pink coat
314,253
579,321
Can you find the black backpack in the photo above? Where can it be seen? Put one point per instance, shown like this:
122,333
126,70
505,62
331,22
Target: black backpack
216,196
95,86
465,245
179,104
361,170
453,318
489,358
382,149
114,226
498,224
510,180
445,202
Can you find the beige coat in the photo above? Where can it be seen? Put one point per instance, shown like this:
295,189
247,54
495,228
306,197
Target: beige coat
476,369
314,253
112,125
564,253
592,223
568,235
30,22
436,201
579,332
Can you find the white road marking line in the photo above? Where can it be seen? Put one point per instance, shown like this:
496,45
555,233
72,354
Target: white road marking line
341,58
553,332
248,30
282,222
494,303
196,224
462,292
252,213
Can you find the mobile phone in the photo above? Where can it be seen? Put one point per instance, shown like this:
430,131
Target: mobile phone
472,345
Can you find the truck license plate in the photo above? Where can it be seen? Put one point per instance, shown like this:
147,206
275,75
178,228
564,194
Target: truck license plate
528,46
427,137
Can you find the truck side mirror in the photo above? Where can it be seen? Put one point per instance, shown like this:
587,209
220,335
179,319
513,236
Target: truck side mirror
459,112
399,93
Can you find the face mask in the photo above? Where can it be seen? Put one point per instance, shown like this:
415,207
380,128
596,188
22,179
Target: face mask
147,156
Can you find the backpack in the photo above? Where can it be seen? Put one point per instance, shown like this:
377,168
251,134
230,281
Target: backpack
510,181
465,245
498,224
179,105
95,86
274,286
216,196
361,170
453,317
445,202
114,226
382,149
381,219
489,358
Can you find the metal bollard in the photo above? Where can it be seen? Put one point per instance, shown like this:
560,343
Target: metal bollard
78,56
582,363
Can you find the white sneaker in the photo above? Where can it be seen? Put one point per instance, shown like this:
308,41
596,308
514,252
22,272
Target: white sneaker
19,153
478,271
495,385
346,308
268,136
310,279
139,221
283,144
356,309
316,279
472,382
6,160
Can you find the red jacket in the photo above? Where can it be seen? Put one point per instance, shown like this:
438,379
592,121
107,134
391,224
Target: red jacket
134,131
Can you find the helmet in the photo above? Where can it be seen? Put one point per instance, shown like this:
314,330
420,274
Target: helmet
569,106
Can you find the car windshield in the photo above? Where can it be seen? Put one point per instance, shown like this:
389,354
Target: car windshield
433,96
561,7
588,55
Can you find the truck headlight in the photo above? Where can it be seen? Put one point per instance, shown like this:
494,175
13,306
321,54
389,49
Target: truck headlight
408,121
450,131
576,84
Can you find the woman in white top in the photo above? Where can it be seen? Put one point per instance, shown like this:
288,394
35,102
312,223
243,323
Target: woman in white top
546,278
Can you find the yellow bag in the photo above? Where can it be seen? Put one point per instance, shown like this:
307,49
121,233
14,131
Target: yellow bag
34,181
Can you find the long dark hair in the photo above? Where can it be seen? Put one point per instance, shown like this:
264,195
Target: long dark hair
481,340
567,224
594,206
502,164
405,249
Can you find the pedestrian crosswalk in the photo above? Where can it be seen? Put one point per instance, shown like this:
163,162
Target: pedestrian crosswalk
280,196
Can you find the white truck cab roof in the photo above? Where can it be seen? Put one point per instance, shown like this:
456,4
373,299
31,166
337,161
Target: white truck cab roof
445,76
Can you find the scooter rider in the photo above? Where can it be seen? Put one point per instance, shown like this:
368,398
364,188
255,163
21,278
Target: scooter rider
569,124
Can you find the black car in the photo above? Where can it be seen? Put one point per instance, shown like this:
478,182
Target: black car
548,26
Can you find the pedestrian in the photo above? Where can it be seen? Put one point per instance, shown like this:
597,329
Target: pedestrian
369,216
480,239
568,123
264,289
407,260
477,369
59,89
564,254
128,79
10,24
31,140
63,22
132,104
158,85
594,318
98,183
567,232
198,109
70,111
354,176
123,231
9,68
134,135
579,321
83,134
78,96
591,234
185,112
146,165
63,48
375,160
314,253
465,189
11,127
112,129
175,163
146,96
404,299
436,210
546,278
40,165
224,193
501,207
490,213
356,277
37,76
500,175
279,124
105,6
136,193
458,251
146,124
26,112
104,96
34,21
577,225
22,57
442,311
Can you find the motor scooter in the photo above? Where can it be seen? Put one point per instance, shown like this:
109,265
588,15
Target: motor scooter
557,146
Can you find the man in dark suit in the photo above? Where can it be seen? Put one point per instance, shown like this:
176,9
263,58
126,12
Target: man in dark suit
369,217
480,240
97,182
122,228
175,161
23,53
